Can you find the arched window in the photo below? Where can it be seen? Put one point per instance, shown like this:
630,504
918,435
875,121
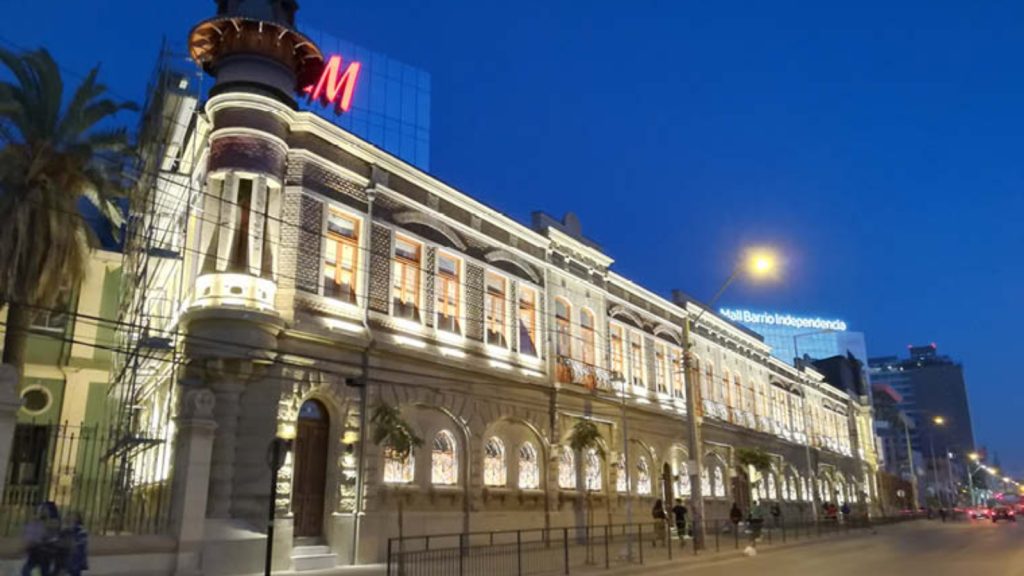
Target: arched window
719,483
444,461
762,488
784,492
592,470
682,480
495,469
398,470
563,328
772,488
587,337
621,479
705,482
529,471
643,477
567,469
805,490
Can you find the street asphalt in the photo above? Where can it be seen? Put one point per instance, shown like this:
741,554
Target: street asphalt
928,548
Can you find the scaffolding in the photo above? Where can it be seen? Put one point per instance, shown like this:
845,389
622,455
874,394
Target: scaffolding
148,358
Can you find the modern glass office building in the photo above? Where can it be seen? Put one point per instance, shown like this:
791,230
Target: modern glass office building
390,103
792,336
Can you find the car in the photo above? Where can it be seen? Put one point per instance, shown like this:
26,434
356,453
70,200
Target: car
1003,513
980,514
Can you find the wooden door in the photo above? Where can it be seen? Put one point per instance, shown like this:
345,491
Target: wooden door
309,488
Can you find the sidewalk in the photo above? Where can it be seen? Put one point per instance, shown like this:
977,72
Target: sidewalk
710,557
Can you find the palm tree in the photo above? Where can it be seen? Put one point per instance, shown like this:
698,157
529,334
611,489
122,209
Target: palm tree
396,436
51,156
586,437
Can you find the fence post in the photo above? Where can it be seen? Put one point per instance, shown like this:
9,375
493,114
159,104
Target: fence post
565,547
607,532
668,538
640,540
389,557
462,553
736,534
519,552
718,533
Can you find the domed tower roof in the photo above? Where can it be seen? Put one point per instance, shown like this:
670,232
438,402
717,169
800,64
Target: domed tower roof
256,29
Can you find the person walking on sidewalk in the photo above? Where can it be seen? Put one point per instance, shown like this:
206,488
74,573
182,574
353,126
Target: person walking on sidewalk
660,521
756,522
735,515
679,512
776,515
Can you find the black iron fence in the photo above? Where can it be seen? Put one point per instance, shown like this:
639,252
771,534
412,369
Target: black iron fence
562,550
117,485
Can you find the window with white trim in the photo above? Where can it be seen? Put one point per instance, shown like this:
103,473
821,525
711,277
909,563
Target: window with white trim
405,278
527,320
341,257
449,293
495,291
495,470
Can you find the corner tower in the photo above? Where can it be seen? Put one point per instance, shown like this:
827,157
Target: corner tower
252,45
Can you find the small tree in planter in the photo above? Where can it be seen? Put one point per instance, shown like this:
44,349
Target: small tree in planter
753,458
396,436
586,437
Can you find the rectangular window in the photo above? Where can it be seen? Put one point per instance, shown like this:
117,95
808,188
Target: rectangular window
449,276
527,320
661,365
618,353
494,308
54,319
587,337
405,279
341,257
636,359
677,374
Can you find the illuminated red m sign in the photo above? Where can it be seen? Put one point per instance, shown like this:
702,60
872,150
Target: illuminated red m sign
334,86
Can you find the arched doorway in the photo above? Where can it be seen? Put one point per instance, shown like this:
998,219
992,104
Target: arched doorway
310,483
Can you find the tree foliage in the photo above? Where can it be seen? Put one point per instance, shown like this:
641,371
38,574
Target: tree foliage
392,431
585,436
754,457
51,157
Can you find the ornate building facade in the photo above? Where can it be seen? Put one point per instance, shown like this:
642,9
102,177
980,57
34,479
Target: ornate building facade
321,277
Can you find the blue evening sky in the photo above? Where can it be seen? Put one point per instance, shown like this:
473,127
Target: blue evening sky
876,143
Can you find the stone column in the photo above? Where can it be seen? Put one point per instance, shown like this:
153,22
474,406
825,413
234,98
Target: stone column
192,456
9,405
227,391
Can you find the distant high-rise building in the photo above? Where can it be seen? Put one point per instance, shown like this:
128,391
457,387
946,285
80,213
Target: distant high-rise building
792,336
931,387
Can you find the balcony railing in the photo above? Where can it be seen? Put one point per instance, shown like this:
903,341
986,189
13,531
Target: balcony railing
573,371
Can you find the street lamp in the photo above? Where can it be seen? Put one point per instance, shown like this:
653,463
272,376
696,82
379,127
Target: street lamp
277,454
937,421
758,263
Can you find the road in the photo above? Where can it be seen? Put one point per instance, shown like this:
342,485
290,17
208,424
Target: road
928,548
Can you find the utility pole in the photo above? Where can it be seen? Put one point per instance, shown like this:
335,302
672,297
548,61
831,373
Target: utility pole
910,460
695,444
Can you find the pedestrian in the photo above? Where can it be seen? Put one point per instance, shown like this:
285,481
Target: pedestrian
660,519
679,513
76,544
776,515
735,515
756,521
40,538
846,512
942,513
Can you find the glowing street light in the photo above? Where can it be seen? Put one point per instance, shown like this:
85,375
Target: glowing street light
939,420
974,456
